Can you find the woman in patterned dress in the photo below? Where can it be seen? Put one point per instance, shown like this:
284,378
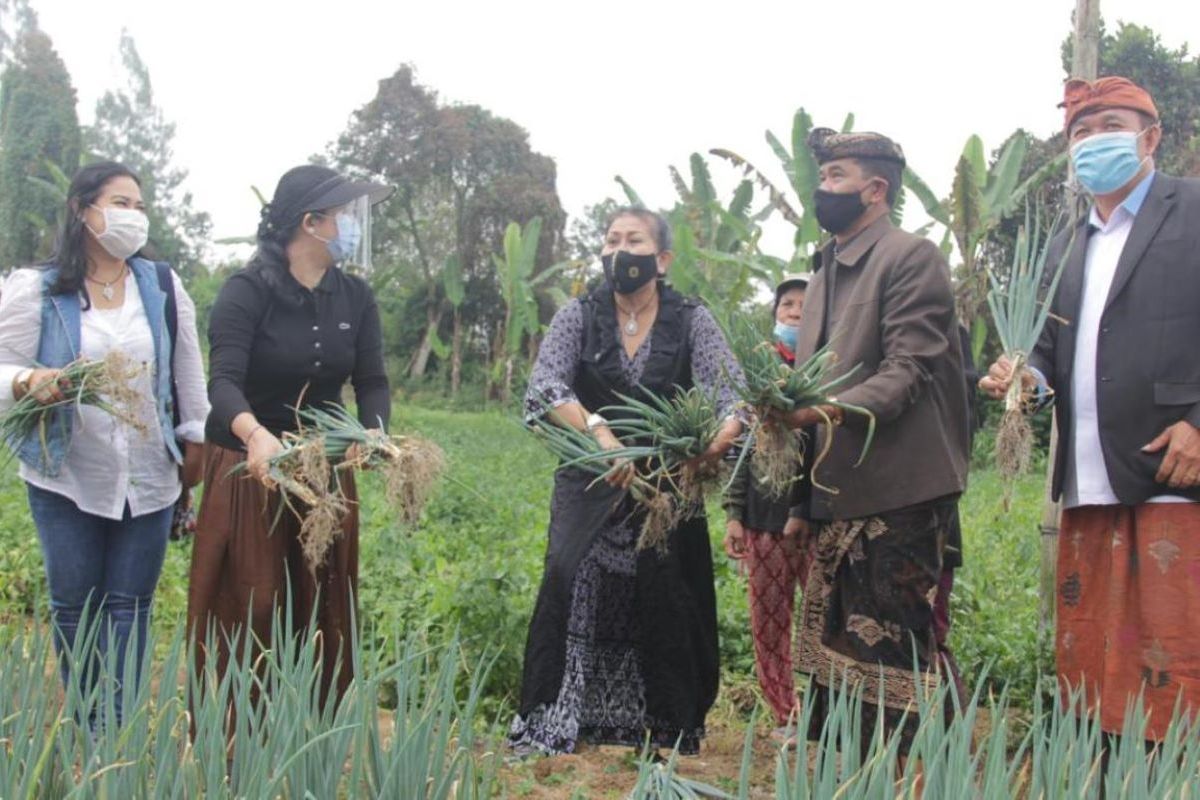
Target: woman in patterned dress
623,642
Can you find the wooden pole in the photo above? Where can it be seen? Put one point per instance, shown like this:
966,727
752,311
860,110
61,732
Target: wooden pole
1085,63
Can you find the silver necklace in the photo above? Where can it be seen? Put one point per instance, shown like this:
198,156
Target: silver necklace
631,326
107,290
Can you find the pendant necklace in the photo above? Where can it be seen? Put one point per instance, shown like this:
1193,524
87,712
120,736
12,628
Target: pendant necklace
631,326
107,290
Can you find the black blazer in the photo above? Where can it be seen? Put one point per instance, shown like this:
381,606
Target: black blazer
1148,354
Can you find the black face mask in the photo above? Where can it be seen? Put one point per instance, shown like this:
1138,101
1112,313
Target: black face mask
628,272
837,211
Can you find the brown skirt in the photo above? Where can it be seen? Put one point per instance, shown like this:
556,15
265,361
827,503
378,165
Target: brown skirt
247,557
1128,605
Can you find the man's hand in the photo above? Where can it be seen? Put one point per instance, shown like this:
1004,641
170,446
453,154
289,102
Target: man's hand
999,378
806,417
1180,468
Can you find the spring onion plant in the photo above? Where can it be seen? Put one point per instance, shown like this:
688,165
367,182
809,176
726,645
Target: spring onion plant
329,441
770,387
1020,300
580,450
106,384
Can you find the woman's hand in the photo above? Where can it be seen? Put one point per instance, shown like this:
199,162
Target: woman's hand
260,448
730,430
795,527
44,386
191,472
622,473
735,539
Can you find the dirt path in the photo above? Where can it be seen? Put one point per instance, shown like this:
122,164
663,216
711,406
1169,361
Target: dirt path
606,773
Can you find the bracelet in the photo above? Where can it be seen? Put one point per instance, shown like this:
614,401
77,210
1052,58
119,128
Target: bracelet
250,435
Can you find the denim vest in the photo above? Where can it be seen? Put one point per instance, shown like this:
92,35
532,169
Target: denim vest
59,346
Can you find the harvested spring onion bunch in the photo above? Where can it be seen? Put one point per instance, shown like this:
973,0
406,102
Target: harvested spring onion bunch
1020,304
106,384
575,448
678,430
330,440
768,385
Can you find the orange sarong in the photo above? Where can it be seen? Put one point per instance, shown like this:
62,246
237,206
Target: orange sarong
1129,609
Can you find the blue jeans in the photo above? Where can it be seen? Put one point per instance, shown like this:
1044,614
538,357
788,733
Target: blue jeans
109,567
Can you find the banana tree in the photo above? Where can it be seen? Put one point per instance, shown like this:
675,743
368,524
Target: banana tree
715,244
981,197
518,287
800,167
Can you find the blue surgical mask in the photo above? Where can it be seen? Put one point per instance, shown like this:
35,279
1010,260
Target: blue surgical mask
349,236
1106,161
786,334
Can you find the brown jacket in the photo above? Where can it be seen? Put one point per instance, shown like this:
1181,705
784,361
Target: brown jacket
893,314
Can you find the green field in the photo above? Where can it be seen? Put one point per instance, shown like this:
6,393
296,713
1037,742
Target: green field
470,570
474,561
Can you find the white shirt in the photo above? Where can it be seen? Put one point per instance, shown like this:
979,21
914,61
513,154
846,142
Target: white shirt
109,464
1088,483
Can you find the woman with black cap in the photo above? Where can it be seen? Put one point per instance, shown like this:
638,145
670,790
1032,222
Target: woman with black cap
285,332
623,641
766,533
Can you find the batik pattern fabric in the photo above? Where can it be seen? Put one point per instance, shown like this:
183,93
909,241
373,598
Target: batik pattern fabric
869,612
1128,602
603,695
777,567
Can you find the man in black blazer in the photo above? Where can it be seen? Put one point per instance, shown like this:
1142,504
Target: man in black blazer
1121,357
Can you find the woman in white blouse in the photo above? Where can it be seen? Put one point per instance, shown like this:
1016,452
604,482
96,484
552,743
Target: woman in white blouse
101,493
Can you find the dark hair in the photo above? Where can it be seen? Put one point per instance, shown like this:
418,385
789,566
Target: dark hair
69,256
890,171
662,228
270,259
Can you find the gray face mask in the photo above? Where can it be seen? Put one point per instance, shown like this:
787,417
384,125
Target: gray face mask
126,231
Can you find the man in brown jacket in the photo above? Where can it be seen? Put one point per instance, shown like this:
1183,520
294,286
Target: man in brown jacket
882,300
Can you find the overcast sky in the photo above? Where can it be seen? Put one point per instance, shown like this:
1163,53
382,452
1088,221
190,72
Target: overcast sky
603,88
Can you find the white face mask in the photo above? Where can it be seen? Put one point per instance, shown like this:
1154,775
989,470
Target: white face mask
125,231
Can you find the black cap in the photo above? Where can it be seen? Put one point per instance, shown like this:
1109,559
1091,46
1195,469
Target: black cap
312,187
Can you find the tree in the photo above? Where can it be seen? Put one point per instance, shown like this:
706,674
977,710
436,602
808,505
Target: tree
1171,76
462,175
982,196
130,128
586,232
38,126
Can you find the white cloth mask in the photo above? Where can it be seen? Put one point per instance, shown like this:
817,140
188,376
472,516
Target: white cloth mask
126,231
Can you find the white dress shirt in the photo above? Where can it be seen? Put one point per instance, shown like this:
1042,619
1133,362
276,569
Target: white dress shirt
1087,483
109,464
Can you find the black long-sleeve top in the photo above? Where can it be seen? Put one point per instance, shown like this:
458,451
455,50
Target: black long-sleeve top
266,345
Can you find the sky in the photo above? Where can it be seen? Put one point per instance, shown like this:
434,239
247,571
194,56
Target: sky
257,86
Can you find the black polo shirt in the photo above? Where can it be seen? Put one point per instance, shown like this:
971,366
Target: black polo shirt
274,344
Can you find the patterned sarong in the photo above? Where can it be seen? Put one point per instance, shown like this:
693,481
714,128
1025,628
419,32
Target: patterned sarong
1129,609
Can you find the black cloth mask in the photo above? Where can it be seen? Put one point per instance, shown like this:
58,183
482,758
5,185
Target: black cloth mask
628,272
837,211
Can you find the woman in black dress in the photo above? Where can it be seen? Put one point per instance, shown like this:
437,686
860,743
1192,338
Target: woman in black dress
623,642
